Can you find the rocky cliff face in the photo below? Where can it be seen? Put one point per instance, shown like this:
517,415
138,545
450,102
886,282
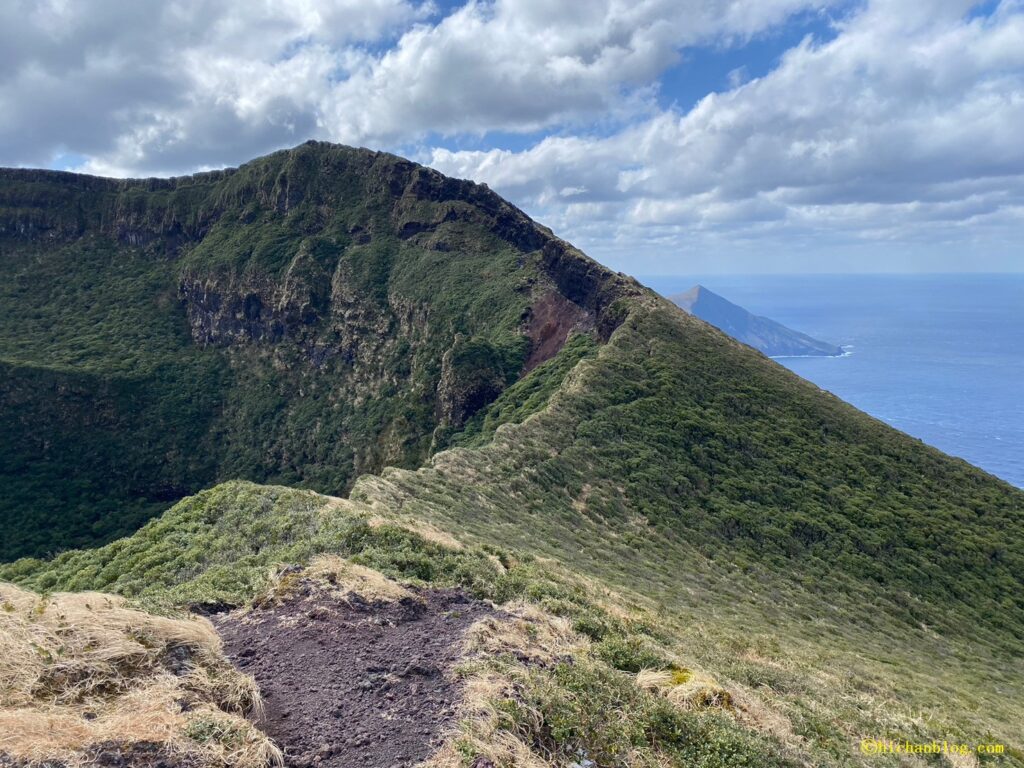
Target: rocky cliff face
347,308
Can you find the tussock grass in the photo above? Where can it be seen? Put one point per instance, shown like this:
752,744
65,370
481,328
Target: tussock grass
77,670
758,711
46,730
526,633
565,647
498,650
423,529
686,689
483,729
537,695
336,575
73,647
790,697
347,577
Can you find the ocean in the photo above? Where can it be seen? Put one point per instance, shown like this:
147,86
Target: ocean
940,357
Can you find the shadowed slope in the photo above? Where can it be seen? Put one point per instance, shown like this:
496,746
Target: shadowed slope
836,574
789,543
313,315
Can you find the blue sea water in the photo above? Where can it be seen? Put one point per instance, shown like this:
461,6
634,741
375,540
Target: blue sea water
940,357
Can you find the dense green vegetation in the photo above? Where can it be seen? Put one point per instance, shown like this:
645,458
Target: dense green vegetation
677,437
345,314
105,405
225,544
222,546
789,537
526,396
288,322
599,713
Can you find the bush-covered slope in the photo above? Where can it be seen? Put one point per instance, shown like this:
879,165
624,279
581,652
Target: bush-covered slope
845,573
313,315
857,574
676,437
784,678
857,582
563,672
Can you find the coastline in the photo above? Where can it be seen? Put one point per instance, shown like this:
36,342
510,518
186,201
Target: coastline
847,352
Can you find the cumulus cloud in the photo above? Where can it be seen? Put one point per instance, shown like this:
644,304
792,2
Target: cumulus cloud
161,87
157,88
902,126
531,64
908,121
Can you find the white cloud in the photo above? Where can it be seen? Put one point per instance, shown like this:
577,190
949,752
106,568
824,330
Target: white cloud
157,88
907,123
162,87
526,65
738,76
904,127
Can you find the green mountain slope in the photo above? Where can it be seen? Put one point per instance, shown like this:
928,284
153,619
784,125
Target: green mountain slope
311,316
851,580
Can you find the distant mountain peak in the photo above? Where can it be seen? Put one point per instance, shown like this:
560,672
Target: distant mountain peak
761,333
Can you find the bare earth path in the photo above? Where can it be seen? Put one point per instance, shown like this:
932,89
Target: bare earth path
352,683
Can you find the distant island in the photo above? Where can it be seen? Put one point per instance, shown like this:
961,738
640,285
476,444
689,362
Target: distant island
761,333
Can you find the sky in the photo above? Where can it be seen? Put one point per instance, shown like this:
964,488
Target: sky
661,136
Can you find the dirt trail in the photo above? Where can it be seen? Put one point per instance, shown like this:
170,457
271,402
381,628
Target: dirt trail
352,683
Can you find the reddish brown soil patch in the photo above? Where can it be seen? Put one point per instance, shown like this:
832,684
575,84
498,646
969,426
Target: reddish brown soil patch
551,320
351,683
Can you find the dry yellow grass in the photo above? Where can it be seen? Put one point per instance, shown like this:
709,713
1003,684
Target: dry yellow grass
336,576
80,669
763,715
481,730
956,760
349,578
686,689
695,690
47,730
527,633
530,637
422,529
654,679
69,647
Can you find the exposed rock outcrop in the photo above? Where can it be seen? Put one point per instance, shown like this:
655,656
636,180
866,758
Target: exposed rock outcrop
310,316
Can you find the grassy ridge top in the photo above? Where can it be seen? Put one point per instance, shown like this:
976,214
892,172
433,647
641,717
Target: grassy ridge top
785,541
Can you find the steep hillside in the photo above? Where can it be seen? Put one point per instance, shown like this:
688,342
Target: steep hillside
385,652
685,504
835,575
311,316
